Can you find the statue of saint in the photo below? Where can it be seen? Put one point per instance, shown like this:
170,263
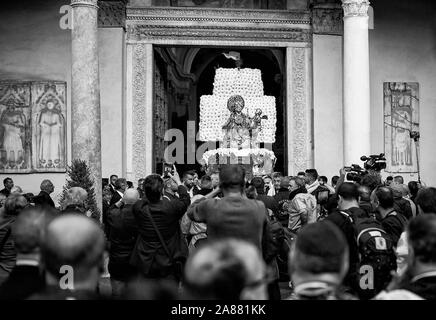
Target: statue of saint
13,123
240,131
50,136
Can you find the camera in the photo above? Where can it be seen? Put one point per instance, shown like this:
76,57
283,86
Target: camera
374,162
355,172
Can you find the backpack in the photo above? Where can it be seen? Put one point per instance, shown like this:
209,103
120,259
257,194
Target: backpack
377,251
322,195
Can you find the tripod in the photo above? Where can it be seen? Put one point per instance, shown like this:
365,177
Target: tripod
415,135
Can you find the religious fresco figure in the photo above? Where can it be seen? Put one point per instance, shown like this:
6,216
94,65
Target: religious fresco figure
50,132
13,122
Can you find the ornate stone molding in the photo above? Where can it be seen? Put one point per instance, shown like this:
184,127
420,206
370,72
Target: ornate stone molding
355,8
148,23
218,15
139,148
84,3
147,32
299,111
328,20
111,13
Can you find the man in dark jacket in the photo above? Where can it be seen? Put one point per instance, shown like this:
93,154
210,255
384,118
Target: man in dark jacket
123,232
8,184
43,198
27,276
269,202
14,204
282,198
149,255
345,217
393,222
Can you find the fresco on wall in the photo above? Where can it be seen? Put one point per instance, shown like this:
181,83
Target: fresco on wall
49,126
32,126
15,127
401,117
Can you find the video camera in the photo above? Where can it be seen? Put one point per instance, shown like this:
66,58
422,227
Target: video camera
374,163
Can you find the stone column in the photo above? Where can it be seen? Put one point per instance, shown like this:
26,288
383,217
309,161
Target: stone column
85,90
356,81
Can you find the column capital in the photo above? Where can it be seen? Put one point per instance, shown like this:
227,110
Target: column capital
355,8
84,3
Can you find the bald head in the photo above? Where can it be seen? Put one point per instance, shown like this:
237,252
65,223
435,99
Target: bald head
130,196
73,240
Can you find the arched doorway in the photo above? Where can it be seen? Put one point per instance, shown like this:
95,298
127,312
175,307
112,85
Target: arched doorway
184,74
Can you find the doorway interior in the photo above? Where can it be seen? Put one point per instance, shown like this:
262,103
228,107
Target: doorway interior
183,74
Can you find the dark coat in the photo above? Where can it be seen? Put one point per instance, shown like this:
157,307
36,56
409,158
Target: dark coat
43,199
115,198
23,281
148,255
8,253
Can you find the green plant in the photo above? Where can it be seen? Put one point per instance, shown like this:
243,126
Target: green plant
79,175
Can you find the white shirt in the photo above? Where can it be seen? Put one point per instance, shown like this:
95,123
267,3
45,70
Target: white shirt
312,187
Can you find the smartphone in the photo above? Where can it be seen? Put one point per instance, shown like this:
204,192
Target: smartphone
167,169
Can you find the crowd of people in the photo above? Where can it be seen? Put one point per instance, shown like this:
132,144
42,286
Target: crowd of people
223,236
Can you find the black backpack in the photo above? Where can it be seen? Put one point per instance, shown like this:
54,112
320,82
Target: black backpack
377,251
322,195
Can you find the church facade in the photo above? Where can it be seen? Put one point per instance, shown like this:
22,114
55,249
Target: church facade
108,81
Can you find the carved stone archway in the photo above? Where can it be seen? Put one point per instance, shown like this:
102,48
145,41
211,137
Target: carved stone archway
148,26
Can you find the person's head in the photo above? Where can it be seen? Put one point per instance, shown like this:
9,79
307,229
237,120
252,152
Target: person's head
141,184
196,179
232,178
389,180
130,196
285,183
320,253
251,192
267,180
206,182
311,176
112,179
120,184
259,184
277,179
170,185
371,181
47,186
398,180
322,180
153,188
421,233
301,174
384,198
297,183
215,177
14,204
107,194
29,229
399,190
426,200
8,183
348,195
129,184
73,243
76,196
413,188
188,179
335,181
228,269
364,194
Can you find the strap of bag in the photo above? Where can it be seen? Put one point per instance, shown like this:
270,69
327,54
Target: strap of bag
162,241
